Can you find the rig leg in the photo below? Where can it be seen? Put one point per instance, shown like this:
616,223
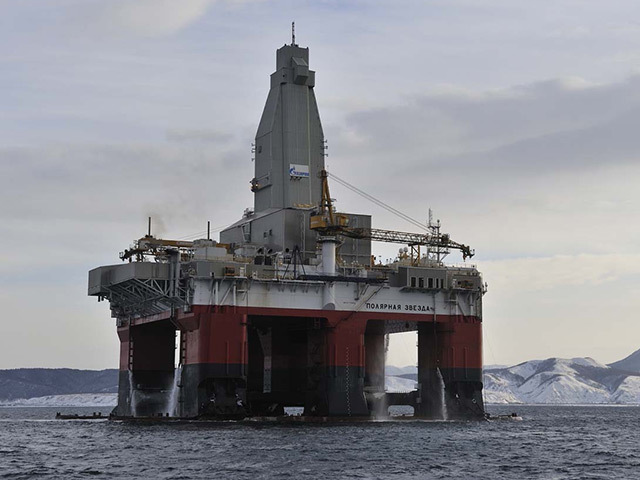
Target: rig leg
345,369
429,403
374,374
279,355
450,357
214,375
147,355
461,361
316,401
125,374
374,347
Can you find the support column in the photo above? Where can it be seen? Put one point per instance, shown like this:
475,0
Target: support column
461,366
146,369
345,369
214,376
316,400
451,354
374,348
125,374
429,403
374,364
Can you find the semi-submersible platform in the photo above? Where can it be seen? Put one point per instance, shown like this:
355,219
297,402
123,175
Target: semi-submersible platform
289,309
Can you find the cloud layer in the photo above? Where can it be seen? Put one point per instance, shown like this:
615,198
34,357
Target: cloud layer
515,123
154,17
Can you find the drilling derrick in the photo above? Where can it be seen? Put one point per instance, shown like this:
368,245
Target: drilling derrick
288,309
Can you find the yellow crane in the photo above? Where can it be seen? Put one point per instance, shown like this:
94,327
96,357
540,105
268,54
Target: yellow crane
327,222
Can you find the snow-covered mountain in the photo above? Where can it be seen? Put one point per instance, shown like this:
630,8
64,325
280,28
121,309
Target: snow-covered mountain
397,371
23,383
628,364
553,381
73,400
560,380
399,384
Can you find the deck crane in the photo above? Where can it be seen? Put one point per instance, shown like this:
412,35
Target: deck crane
327,222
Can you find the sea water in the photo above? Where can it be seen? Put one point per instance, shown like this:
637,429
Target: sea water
550,442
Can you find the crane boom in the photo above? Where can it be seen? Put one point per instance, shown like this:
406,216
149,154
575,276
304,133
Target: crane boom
392,236
441,241
328,222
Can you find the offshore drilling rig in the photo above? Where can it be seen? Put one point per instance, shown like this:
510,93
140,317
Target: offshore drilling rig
289,309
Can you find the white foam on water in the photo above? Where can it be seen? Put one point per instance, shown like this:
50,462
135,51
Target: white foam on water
133,401
172,398
443,401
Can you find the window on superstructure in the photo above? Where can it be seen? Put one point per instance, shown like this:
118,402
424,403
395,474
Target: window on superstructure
421,282
431,283
413,282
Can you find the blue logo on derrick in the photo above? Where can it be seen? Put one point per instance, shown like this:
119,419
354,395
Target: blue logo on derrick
300,171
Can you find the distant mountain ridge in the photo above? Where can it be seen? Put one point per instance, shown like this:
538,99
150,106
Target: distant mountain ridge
550,381
562,381
40,382
628,364
70,400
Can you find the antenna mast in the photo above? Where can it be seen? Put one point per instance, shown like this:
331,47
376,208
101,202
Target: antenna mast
293,33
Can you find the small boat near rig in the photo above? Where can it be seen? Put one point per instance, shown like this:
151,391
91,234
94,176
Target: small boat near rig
288,308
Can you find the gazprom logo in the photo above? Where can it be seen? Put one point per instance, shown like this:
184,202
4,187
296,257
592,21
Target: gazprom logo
298,171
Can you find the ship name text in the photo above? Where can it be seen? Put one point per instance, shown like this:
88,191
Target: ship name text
398,307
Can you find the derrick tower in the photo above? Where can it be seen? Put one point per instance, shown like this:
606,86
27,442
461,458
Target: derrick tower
287,309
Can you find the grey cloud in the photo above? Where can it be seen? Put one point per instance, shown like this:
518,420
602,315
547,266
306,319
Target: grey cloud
527,170
434,126
147,18
197,135
535,170
110,181
609,143
491,145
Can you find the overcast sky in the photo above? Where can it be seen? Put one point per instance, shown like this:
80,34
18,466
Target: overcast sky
517,122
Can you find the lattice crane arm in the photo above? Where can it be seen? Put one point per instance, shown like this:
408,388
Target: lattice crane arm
328,222
392,236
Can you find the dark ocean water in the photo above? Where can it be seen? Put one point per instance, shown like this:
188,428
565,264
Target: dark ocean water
550,443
